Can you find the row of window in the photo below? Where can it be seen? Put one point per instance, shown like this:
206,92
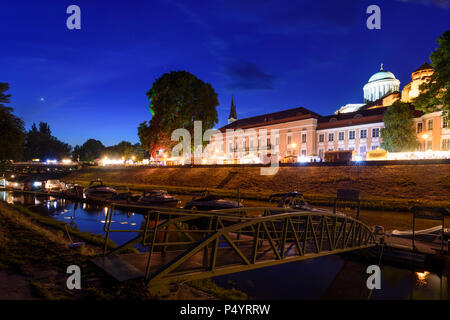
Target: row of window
420,125
362,149
351,135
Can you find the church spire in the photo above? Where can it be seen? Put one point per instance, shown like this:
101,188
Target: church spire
233,116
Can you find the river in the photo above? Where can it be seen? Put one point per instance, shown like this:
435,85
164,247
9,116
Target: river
330,277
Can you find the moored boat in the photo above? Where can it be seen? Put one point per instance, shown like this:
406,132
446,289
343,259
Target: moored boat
97,191
157,198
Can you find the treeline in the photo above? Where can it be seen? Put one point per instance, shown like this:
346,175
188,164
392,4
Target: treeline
38,143
93,149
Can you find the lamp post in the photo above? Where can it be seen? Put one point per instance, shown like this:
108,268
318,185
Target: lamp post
424,138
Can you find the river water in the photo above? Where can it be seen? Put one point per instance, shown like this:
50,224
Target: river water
330,277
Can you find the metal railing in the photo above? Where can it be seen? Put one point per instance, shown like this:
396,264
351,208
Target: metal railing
187,245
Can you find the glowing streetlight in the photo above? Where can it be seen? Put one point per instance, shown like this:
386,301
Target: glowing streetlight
424,138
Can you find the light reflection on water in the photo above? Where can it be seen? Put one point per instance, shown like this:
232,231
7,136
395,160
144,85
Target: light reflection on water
325,277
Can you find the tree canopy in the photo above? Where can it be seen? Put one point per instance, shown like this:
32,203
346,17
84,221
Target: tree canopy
12,132
399,134
177,99
39,143
435,94
94,149
90,150
125,149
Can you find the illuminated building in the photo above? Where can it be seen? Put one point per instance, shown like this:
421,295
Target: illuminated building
304,134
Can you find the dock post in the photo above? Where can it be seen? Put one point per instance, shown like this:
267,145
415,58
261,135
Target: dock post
155,231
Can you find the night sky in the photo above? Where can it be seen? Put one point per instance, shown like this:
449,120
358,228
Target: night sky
270,55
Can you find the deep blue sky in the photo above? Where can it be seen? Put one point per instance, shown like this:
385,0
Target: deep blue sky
271,55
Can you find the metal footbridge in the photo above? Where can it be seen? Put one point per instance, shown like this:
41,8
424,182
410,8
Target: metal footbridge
187,245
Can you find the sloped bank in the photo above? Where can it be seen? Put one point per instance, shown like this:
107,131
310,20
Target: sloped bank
387,187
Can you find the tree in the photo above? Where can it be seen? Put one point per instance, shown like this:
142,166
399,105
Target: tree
177,99
398,133
40,143
12,132
153,138
90,150
435,94
124,149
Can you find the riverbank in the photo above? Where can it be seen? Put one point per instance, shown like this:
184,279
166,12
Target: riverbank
382,187
34,256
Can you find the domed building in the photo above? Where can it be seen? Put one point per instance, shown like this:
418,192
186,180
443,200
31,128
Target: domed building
380,84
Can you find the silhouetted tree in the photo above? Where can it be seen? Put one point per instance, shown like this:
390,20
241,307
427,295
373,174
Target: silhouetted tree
90,150
12,132
40,143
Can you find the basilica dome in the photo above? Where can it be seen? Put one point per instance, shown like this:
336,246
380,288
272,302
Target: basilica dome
380,75
380,84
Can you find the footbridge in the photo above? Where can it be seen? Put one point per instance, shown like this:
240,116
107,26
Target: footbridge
187,245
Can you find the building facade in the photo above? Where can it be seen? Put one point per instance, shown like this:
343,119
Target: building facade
302,134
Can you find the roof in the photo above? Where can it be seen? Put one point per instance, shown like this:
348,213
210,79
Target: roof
425,66
351,118
381,75
233,114
362,116
272,118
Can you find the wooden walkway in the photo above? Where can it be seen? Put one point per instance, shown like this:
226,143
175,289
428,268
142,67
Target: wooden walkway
125,267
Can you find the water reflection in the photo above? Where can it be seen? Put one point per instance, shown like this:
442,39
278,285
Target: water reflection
330,277
422,278
86,217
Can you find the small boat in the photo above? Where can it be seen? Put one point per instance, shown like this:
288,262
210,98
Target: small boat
427,235
294,200
206,202
157,198
97,191
73,191
54,185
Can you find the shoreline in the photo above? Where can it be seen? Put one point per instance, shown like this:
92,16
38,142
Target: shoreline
34,256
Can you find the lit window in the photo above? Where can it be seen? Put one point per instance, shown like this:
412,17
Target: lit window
331,137
375,132
363,134
446,145
419,127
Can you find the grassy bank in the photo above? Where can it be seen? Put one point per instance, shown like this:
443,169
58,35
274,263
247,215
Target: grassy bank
34,256
375,203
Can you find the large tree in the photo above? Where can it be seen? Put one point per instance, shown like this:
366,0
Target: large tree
435,94
399,134
40,143
90,150
125,150
12,132
177,99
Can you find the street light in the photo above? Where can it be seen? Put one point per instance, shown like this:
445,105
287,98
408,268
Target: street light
424,138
